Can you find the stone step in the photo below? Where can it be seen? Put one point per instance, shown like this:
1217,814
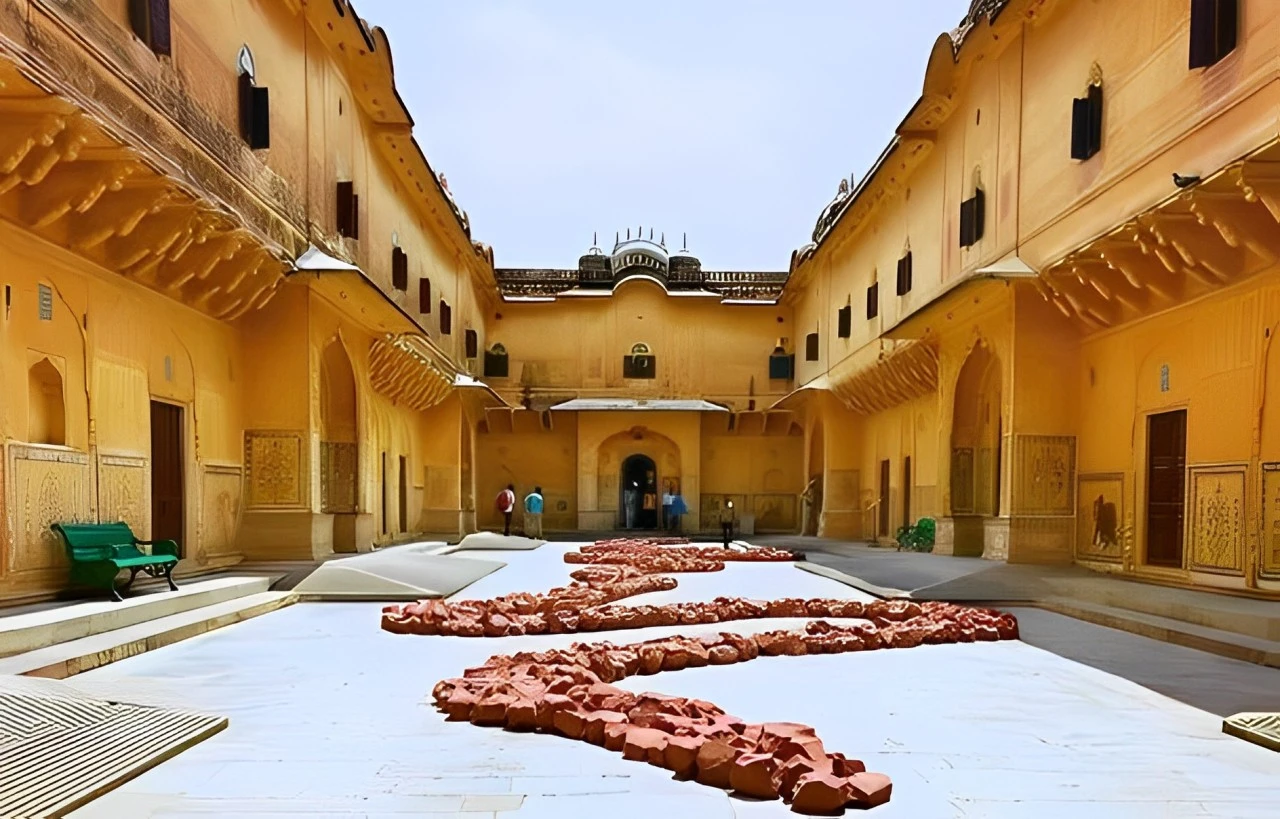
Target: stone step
59,624
75,656
1241,615
1171,630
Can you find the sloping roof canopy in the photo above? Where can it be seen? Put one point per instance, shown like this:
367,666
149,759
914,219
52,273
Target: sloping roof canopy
643,404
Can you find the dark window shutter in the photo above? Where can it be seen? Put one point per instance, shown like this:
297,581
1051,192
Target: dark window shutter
139,13
346,206
782,367
639,366
495,364
904,275
472,343
424,295
399,269
811,347
873,300
246,106
446,318
355,216
160,40
260,122
1086,124
845,322
972,219
1214,26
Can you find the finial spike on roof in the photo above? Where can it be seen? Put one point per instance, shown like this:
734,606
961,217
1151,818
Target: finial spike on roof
628,234
684,241
663,242
617,235
594,238
651,234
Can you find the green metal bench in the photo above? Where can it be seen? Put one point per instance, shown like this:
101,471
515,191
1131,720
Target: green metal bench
100,551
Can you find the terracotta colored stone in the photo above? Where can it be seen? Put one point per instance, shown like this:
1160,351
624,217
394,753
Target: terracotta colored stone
491,709
845,767
723,655
597,721
788,775
522,715
867,790
569,722
820,793
651,659
615,736
681,755
459,705
715,763
644,744
752,775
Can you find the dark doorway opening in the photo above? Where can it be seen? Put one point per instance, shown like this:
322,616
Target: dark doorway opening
639,493
906,491
382,490
884,498
1166,487
404,494
168,503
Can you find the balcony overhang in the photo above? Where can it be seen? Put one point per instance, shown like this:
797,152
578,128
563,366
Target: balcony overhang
814,387
411,371
350,290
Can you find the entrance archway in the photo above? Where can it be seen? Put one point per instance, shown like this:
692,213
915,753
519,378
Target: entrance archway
976,437
339,450
639,500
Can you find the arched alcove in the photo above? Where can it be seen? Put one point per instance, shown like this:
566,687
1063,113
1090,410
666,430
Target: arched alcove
813,494
339,450
47,415
647,458
976,431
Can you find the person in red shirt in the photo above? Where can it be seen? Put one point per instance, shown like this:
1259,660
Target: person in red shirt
505,503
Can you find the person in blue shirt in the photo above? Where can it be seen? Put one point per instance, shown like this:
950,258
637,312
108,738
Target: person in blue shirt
533,513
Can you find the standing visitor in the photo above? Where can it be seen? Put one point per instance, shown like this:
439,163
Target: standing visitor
630,500
667,500
678,508
727,521
505,503
533,513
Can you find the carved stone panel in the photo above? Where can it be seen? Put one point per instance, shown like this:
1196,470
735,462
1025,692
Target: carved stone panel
775,513
1044,475
124,492
339,469
984,500
962,481
46,486
1100,517
1270,547
221,495
276,469
1217,519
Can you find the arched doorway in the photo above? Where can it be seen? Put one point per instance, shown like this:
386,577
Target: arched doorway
976,442
339,450
639,500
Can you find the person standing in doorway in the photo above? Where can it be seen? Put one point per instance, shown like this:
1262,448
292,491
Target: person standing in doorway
505,503
630,500
678,508
727,519
533,513
668,517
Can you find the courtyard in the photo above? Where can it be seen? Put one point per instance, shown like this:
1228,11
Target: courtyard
331,716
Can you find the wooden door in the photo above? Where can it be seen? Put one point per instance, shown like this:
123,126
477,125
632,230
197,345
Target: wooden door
404,494
906,491
884,498
168,504
1166,487
382,491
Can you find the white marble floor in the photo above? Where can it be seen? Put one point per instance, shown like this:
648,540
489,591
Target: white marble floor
330,717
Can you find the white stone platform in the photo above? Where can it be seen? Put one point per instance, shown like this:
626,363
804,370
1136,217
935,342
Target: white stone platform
331,717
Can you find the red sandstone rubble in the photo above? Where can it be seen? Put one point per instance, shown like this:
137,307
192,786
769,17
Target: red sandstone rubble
570,691
668,556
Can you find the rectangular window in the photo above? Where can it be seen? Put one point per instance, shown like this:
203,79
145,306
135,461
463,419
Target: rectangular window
424,295
873,300
149,19
446,318
1086,124
348,210
255,114
811,347
495,362
472,343
972,219
782,367
904,274
1214,27
399,269
844,321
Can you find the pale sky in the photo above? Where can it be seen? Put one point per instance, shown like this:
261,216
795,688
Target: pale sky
731,120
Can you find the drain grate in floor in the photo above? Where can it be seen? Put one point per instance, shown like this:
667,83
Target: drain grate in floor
62,748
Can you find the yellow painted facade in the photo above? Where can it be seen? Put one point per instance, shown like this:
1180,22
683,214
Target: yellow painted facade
280,352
